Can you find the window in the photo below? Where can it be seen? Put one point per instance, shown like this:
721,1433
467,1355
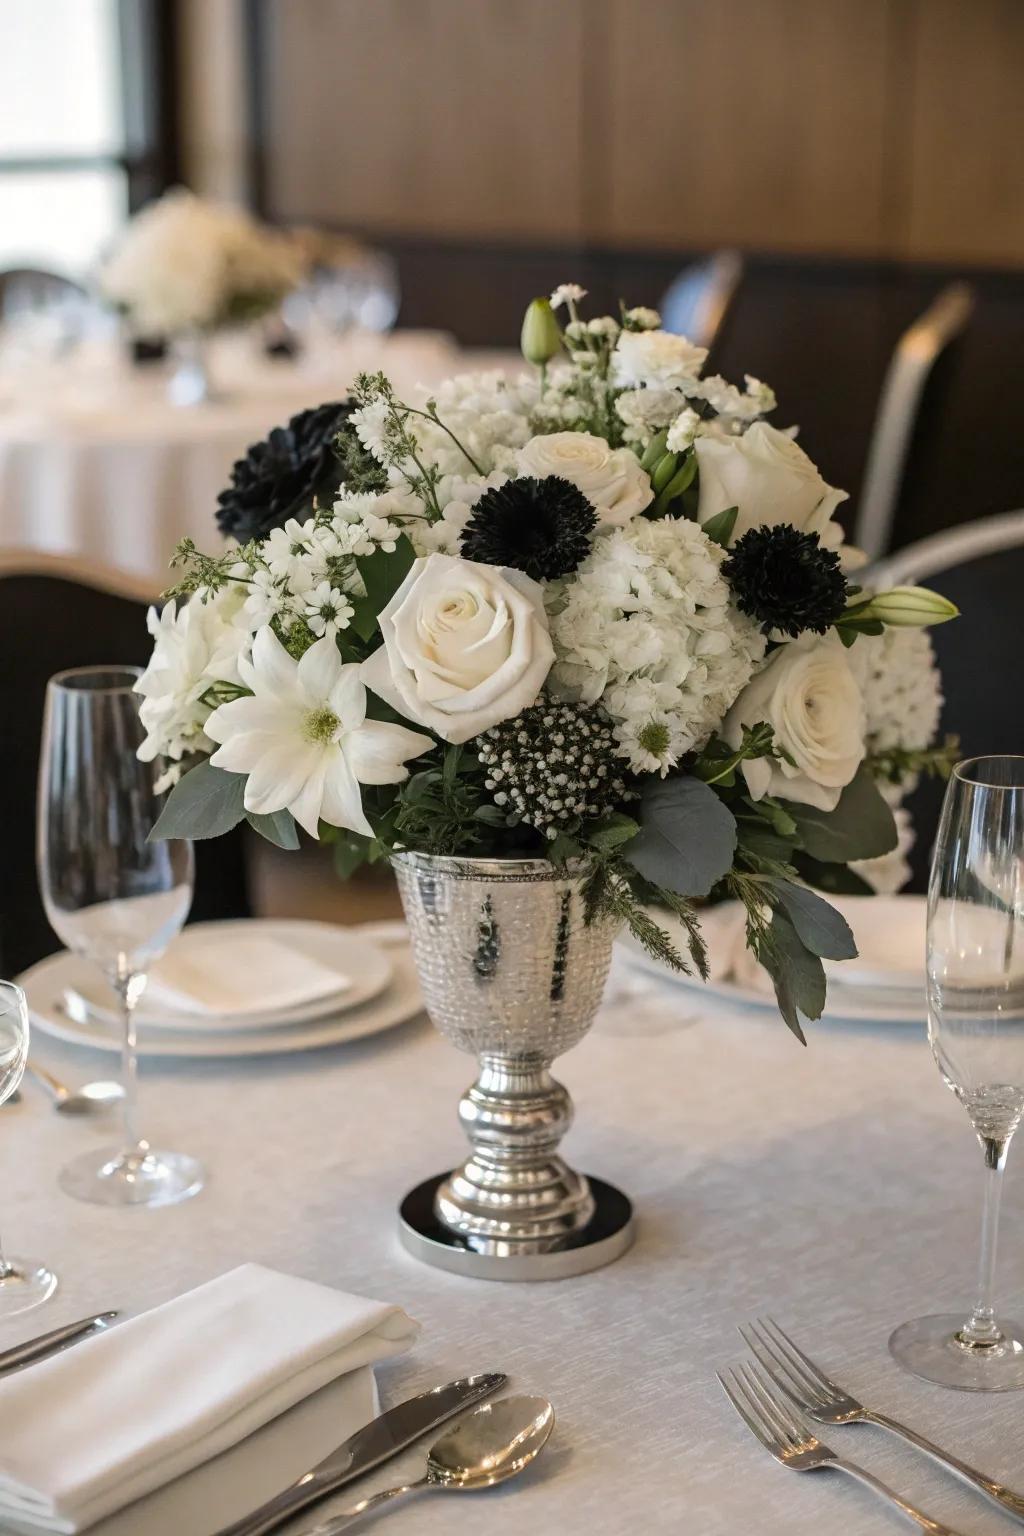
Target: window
84,130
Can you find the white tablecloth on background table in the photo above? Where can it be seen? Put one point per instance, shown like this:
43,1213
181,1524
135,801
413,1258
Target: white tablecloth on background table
835,1187
95,461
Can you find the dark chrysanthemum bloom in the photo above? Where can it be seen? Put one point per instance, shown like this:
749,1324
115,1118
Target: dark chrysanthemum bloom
280,477
554,765
542,527
784,578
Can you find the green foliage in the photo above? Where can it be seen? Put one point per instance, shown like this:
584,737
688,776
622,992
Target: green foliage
899,763
861,826
718,761
205,802
278,827
610,892
359,469
687,836
446,809
719,528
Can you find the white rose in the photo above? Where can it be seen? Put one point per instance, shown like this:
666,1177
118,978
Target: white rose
809,696
610,478
657,358
770,479
465,645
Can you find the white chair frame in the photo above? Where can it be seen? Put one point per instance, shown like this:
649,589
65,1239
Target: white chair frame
944,551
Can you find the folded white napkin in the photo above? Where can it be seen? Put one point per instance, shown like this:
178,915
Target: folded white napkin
225,977
112,1418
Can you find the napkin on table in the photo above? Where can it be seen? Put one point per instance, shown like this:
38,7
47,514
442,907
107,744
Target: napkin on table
222,977
91,1430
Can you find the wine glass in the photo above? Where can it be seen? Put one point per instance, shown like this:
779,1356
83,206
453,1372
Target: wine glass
24,1283
111,894
976,1030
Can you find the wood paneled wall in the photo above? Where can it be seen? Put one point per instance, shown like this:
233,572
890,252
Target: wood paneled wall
873,128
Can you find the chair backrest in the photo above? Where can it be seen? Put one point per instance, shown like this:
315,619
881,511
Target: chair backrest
980,567
696,302
57,613
912,361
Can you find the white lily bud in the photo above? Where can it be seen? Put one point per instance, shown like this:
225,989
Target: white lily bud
910,608
540,339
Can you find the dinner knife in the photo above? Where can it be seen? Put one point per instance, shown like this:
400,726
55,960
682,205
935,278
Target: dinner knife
49,1343
382,1438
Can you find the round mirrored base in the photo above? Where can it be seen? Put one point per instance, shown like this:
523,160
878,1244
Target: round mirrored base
24,1283
929,1347
146,1177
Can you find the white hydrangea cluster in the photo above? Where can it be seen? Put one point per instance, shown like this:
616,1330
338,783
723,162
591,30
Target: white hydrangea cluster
902,689
646,626
195,645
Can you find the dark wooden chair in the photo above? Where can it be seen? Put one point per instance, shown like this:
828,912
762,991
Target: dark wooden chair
980,567
57,613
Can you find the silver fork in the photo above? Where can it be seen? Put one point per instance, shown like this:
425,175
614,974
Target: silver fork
781,1430
817,1395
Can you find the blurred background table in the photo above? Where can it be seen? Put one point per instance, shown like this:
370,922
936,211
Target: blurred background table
96,463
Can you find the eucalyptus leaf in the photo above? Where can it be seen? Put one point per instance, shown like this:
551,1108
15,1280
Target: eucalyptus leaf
719,528
798,975
205,802
278,827
687,837
821,929
861,826
611,832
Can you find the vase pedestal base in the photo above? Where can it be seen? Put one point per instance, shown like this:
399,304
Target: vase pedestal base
606,1237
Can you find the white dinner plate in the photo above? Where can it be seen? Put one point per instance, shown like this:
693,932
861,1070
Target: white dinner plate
46,982
737,978
367,967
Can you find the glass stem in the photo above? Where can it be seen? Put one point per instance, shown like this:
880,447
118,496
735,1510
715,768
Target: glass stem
129,1070
981,1331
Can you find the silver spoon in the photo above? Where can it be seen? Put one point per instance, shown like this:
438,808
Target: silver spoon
484,1447
90,1099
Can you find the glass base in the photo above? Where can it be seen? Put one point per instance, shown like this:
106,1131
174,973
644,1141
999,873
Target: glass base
24,1283
930,1347
145,1177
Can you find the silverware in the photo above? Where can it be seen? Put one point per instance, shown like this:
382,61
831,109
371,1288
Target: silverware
485,1447
50,1343
791,1440
817,1395
90,1099
382,1438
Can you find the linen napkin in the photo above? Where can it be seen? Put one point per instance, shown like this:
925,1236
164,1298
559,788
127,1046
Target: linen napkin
118,1415
240,975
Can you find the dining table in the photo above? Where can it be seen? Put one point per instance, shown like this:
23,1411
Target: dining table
97,462
834,1187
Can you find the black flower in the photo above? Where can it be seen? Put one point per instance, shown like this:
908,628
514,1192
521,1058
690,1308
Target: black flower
786,580
553,765
280,477
542,527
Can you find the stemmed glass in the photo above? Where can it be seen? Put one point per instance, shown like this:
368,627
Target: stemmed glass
976,1029
110,894
24,1283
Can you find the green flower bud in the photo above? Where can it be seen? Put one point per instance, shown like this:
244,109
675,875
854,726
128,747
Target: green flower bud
909,608
540,338
664,470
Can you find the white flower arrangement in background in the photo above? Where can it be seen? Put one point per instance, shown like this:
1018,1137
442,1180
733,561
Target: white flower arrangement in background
599,609
184,264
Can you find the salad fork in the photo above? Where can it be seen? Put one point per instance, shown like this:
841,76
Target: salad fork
822,1399
790,1439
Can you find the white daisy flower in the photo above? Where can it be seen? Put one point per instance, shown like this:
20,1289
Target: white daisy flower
327,610
567,293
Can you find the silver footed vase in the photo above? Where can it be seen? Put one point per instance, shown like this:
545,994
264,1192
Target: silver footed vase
512,973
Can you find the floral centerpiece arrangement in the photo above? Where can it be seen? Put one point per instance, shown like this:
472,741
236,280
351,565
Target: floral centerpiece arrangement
184,264
600,612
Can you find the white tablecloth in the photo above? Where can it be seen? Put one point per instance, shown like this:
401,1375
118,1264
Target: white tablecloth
835,1187
96,462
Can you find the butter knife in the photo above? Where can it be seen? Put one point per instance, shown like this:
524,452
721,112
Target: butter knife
382,1438
49,1343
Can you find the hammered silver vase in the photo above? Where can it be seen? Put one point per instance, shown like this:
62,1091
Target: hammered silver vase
511,973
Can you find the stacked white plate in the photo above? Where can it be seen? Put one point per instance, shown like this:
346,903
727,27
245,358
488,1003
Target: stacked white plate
242,988
885,984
